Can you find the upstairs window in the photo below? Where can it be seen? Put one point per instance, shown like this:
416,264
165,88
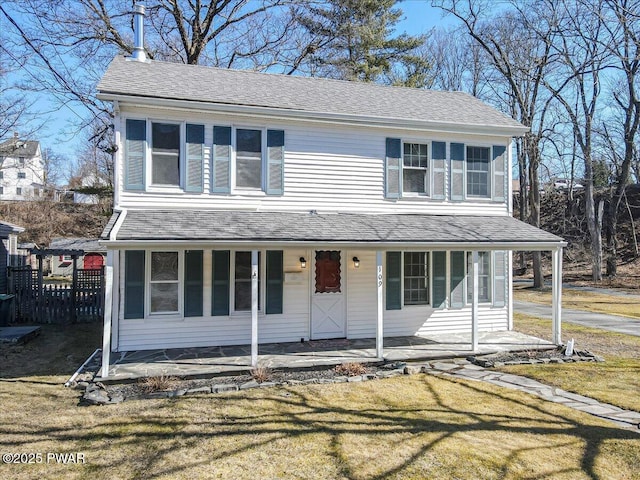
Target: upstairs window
21,175
248,158
415,169
165,154
21,161
478,168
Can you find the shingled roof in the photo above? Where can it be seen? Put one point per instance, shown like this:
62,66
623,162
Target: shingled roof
281,227
287,94
14,147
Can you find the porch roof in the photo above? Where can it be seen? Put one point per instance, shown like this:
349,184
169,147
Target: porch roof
379,230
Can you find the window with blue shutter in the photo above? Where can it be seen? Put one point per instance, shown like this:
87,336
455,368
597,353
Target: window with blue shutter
134,154
134,273
275,162
193,283
499,173
221,160
439,160
394,281
456,172
439,266
275,282
393,174
195,158
220,282
457,279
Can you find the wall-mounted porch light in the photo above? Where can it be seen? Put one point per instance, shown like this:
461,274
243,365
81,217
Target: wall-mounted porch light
303,262
356,262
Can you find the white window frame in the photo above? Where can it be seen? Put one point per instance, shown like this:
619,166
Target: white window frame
489,173
429,170
232,281
263,163
469,278
148,282
150,186
22,175
429,277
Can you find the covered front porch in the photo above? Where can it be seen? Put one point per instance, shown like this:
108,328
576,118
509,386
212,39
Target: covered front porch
211,361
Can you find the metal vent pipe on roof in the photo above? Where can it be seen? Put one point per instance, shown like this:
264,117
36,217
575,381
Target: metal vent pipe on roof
138,31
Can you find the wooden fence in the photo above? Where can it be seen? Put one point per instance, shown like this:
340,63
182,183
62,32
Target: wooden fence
36,302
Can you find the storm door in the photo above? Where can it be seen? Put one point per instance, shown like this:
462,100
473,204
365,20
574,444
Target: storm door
328,318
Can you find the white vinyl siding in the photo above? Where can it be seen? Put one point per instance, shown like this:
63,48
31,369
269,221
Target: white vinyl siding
326,168
175,331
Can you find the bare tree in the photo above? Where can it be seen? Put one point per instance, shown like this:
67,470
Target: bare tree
521,59
576,85
621,19
68,45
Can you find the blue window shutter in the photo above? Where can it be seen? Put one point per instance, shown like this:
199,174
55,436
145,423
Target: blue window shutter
394,281
439,161
439,262
457,279
220,283
275,282
393,168
195,158
499,278
134,154
221,160
275,162
499,173
456,172
134,284
193,283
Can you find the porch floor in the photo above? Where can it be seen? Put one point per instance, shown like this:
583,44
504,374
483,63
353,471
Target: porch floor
229,360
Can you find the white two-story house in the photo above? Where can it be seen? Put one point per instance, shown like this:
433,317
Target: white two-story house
253,208
21,169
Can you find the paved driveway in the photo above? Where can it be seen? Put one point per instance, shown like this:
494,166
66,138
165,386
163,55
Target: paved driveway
613,323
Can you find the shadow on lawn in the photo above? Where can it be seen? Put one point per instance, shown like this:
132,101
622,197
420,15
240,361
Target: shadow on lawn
149,442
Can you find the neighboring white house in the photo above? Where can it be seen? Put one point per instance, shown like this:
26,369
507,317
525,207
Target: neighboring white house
21,170
255,208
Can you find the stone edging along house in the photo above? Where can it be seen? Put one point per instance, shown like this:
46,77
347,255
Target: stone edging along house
254,208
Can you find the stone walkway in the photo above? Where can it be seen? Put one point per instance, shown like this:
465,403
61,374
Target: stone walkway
464,369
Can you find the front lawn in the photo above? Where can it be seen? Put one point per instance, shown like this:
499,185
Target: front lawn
616,381
411,427
626,306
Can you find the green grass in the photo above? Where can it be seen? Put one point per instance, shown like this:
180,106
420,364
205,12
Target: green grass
402,428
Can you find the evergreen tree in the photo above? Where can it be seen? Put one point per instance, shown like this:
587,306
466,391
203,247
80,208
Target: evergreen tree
354,40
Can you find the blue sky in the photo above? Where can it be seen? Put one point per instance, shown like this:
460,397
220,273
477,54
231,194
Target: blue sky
59,133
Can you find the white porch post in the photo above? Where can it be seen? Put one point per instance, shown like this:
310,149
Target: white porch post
254,308
474,303
108,298
556,281
380,318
